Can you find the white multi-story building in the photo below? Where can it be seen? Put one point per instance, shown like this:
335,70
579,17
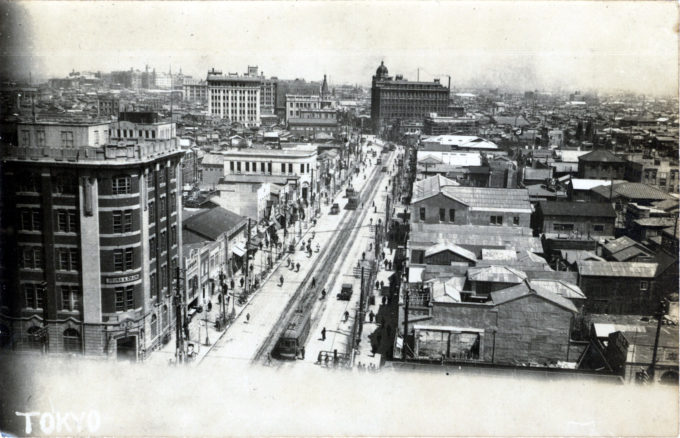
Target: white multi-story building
234,97
296,103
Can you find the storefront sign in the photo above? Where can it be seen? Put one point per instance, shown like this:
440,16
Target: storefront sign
125,279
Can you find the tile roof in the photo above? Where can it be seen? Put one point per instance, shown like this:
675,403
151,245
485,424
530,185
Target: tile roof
667,205
578,209
634,191
430,186
213,222
491,199
601,155
617,269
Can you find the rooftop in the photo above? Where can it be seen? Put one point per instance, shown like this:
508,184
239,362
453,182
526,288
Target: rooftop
617,269
579,209
523,289
634,191
601,156
490,199
430,186
213,222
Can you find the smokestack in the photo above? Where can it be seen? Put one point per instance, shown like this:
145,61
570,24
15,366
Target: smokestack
449,83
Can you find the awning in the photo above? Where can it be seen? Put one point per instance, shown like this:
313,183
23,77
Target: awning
238,250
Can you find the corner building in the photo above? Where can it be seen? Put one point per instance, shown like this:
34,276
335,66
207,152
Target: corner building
90,237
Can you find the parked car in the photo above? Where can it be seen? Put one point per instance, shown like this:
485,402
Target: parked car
335,209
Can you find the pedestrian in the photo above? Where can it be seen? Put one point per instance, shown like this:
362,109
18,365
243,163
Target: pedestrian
382,285
323,334
302,353
382,255
377,284
231,283
363,256
371,316
297,267
281,280
247,317
241,281
384,300
346,315
313,282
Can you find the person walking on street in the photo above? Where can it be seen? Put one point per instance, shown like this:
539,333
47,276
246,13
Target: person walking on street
313,282
231,283
247,317
302,353
371,316
297,267
323,334
346,315
281,280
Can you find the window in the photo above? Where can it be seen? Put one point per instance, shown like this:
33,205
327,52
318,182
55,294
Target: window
231,166
563,227
598,227
164,316
173,234
283,167
72,341
154,326
152,247
65,185
70,298
32,257
161,176
29,182
33,295
164,240
96,138
40,138
238,166
67,259
122,221
173,202
515,220
149,180
644,285
302,167
442,214
152,212
121,185
290,167
269,167
123,259
164,276
172,171
125,298
67,139
496,220
422,213
153,284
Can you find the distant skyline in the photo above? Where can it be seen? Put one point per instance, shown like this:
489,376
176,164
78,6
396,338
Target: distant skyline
586,46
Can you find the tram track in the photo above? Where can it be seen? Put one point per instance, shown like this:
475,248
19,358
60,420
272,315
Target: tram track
331,253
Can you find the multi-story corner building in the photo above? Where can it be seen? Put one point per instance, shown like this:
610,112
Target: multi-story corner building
234,97
311,122
397,99
195,90
91,239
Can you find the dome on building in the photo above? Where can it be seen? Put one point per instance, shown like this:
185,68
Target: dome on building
382,70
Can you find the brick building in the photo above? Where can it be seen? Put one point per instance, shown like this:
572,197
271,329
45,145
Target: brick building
397,99
91,238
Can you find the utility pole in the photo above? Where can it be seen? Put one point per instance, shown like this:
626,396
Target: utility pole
223,285
179,319
659,315
406,299
247,284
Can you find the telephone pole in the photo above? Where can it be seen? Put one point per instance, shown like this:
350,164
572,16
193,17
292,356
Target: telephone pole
179,319
406,299
247,284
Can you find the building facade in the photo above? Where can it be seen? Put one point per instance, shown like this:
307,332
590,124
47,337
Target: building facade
195,91
394,99
89,269
234,97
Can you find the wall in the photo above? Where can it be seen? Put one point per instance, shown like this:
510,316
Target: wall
619,295
582,225
463,215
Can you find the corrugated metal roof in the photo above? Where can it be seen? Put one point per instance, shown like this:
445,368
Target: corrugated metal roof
601,155
430,186
634,191
617,269
578,209
448,246
521,290
497,274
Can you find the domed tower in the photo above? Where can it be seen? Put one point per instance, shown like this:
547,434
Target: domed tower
381,72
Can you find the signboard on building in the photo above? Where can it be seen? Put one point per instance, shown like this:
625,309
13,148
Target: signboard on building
124,279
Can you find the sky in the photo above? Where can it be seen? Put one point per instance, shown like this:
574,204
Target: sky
587,46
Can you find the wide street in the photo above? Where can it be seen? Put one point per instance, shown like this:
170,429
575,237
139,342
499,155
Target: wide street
254,332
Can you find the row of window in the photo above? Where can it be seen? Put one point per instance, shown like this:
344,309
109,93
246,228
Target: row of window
71,339
493,220
32,258
163,241
61,184
162,208
235,166
570,227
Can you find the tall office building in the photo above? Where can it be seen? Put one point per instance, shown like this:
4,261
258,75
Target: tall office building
91,219
397,99
234,97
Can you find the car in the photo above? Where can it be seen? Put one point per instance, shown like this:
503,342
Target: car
346,292
335,209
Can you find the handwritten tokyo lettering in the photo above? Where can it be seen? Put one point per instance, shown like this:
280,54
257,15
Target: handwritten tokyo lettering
59,422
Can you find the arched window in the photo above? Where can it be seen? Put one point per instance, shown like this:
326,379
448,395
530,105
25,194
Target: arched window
164,316
72,342
154,326
34,340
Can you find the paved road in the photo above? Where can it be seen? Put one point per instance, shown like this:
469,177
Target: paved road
241,343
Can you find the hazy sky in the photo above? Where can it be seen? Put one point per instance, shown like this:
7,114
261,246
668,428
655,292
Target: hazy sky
530,45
